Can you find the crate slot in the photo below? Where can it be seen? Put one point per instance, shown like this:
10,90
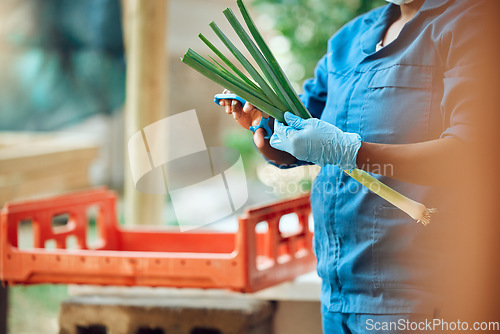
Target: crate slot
25,234
50,244
72,242
93,237
289,224
311,223
62,223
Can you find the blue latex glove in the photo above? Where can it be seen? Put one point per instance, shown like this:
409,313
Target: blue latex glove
316,141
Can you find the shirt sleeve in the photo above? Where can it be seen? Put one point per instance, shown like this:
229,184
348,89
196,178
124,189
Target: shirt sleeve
316,89
462,96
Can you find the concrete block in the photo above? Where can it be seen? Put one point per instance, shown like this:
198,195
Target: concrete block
297,317
136,315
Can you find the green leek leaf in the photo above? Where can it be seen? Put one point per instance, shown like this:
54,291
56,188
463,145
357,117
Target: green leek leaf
261,61
226,61
236,85
249,67
304,113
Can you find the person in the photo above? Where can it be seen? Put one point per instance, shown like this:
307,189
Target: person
394,95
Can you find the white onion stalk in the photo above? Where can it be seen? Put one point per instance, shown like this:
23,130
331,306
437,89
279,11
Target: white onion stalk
271,91
414,209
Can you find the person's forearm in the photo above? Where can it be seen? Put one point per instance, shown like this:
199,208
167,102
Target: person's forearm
276,156
273,155
428,163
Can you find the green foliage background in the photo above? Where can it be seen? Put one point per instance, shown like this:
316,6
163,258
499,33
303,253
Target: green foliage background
307,25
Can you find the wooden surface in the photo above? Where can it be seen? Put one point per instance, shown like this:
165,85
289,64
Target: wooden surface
146,88
34,164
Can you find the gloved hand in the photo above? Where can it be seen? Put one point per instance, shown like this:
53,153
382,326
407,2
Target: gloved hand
316,141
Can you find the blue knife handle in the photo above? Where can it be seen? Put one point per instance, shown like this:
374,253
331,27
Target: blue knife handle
219,97
264,124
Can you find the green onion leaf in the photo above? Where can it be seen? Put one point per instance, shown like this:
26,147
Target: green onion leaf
227,61
283,80
231,82
260,60
249,67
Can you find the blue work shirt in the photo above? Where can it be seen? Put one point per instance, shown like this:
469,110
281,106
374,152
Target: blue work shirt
372,257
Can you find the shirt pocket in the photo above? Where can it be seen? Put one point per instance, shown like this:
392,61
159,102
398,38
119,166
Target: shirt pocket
396,106
401,256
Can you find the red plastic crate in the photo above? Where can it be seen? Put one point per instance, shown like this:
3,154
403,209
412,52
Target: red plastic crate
243,261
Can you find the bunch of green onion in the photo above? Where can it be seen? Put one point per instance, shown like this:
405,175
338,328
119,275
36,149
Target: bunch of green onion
271,92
